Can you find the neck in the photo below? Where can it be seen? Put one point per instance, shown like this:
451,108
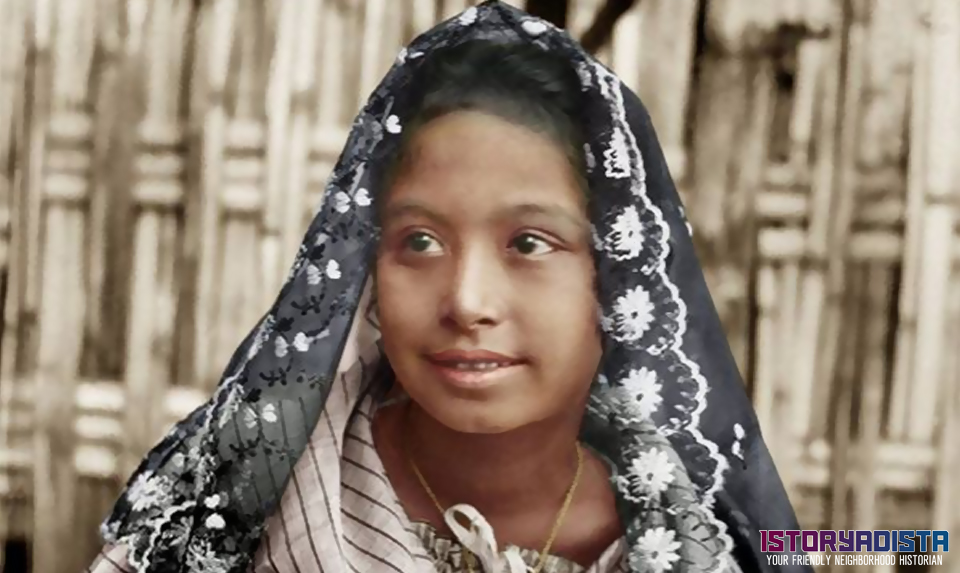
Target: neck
496,473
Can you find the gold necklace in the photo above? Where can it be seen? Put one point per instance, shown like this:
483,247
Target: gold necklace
555,530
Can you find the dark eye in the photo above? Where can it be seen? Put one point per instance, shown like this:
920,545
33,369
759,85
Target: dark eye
528,245
422,243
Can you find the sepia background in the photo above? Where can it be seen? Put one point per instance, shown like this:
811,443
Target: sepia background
152,152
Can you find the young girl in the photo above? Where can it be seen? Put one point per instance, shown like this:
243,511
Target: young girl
495,352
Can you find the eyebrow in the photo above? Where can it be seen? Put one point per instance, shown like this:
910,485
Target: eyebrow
549,211
411,209
414,209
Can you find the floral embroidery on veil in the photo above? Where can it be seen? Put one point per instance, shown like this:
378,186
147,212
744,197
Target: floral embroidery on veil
203,495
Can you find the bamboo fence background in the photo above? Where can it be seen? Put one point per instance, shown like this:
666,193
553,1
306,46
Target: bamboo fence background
152,151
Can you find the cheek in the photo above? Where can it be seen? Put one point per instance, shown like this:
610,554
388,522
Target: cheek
402,302
562,308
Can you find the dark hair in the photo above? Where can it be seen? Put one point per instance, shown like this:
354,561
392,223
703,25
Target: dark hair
519,82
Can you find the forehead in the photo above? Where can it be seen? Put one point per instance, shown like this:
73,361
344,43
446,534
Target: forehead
486,161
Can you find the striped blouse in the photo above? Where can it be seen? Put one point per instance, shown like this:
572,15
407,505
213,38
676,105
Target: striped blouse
339,513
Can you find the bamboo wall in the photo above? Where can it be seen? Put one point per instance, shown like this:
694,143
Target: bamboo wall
154,150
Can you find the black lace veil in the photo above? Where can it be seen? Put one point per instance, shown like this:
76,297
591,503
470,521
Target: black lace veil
668,391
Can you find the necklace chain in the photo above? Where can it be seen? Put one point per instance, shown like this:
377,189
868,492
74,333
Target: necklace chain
554,531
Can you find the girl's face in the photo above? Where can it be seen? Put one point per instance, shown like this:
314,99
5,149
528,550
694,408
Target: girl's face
485,278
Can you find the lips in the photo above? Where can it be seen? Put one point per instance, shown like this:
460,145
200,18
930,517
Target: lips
474,365
474,368
472,359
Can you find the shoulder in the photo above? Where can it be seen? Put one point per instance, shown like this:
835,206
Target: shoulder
112,559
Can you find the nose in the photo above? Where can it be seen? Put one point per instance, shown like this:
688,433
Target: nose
475,296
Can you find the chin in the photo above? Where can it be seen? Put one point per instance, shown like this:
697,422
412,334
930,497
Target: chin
466,417
479,418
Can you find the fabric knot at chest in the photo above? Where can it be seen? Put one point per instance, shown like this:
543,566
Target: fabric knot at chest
475,533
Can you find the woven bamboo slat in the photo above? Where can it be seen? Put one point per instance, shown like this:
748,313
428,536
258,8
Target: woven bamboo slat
671,73
12,77
934,398
155,151
817,249
940,199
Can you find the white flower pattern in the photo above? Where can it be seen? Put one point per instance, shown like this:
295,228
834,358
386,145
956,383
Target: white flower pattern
633,314
341,202
202,557
280,346
656,551
643,388
650,473
314,275
362,198
625,240
468,17
215,521
301,342
393,125
737,448
149,491
333,270
268,414
534,27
